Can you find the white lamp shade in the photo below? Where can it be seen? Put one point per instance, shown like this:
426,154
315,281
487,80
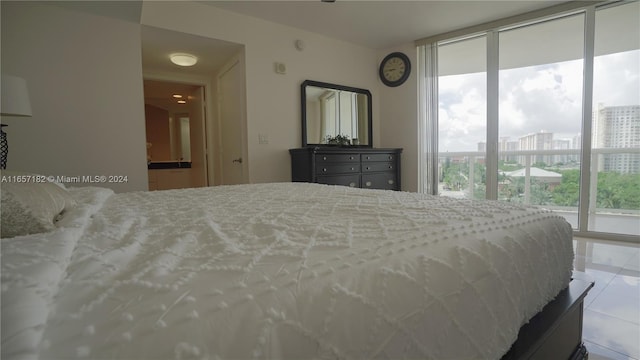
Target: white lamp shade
15,97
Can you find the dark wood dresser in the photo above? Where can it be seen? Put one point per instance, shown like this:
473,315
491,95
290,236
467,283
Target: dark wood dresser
367,168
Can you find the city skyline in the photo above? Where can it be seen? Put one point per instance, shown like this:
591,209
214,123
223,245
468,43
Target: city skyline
624,133
558,87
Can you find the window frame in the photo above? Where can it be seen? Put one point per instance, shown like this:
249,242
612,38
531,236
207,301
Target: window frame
428,102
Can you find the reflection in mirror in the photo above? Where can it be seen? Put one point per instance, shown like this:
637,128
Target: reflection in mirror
180,137
168,135
167,120
335,115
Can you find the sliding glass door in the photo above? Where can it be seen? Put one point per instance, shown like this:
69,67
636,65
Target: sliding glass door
540,114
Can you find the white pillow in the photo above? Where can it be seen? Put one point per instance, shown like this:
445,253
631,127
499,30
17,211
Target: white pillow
28,206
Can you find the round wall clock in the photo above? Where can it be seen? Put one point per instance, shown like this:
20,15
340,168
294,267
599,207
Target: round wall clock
395,69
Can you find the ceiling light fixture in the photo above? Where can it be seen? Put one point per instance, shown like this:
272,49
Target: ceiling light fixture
177,96
183,59
182,101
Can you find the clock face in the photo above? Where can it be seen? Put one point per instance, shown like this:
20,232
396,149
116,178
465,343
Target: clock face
395,69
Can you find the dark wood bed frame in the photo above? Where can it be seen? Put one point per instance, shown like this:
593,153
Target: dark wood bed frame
556,331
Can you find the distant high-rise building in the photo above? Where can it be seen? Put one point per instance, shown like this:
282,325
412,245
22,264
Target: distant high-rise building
537,141
561,144
576,143
506,145
617,127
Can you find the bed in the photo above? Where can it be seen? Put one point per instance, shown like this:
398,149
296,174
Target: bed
279,271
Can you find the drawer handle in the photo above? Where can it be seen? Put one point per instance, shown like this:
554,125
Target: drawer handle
353,169
390,182
324,158
368,157
350,157
368,183
324,169
352,184
390,157
368,168
390,166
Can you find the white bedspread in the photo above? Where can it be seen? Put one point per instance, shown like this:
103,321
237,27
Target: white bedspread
289,271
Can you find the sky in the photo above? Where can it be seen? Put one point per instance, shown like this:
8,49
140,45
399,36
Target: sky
532,99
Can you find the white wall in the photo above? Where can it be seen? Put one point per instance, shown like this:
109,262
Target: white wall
85,78
399,111
85,81
273,100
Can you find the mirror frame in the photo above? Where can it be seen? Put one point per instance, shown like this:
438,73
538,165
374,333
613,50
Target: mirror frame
303,103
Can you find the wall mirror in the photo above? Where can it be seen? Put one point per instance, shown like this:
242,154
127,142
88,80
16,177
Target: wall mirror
168,117
168,135
335,115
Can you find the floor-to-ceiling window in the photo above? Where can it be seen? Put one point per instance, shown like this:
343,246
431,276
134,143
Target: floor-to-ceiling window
545,112
540,114
615,158
462,118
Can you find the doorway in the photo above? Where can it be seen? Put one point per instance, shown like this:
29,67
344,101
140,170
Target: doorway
218,60
175,121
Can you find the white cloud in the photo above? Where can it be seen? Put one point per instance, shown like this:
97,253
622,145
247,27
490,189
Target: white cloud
462,112
544,97
617,79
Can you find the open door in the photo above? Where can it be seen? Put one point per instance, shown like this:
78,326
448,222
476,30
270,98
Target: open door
231,105
198,138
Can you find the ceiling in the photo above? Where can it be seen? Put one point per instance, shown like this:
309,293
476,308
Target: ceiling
158,44
373,24
381,24
160,94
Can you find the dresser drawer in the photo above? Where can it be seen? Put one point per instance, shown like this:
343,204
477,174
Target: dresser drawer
385,181
348,166
336,168
346,180
378,157
330,158
375,167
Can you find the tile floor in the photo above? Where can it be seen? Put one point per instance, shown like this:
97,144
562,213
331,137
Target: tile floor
611,327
